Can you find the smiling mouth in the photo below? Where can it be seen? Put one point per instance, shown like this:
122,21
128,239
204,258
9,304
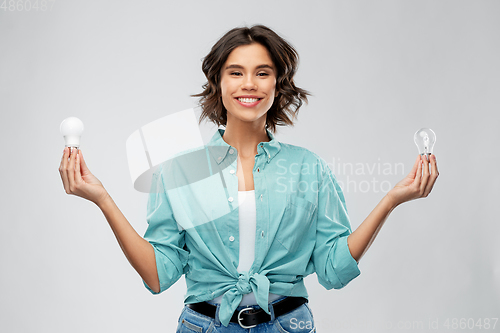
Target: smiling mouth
248,100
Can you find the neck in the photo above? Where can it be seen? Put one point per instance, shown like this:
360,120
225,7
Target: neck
245,137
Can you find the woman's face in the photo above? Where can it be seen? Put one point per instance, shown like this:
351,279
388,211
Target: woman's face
248,84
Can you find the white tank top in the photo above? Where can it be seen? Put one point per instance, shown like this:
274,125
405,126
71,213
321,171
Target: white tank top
248,226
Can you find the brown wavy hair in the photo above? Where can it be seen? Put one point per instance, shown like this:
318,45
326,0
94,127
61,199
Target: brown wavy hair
285,58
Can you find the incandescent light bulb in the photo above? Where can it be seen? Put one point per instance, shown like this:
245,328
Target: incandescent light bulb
425,138
71,128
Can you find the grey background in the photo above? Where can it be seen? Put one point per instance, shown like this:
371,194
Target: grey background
379,71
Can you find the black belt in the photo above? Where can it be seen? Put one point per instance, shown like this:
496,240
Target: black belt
254,316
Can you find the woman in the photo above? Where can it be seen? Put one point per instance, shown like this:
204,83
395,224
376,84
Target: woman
278,216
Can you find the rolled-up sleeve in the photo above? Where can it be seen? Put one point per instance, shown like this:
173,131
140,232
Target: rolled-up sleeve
164,235
333,262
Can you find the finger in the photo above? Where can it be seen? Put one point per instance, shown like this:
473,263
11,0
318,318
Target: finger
62,158
425,175
71,170
78,174
433,177
434,165
63,169
413,170
418,175
85,169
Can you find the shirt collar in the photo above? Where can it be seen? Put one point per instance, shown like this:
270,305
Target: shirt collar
219,148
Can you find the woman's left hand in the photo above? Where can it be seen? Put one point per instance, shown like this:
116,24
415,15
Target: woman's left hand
417,184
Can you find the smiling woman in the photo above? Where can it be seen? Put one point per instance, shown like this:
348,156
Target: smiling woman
277,61
284,213
248,92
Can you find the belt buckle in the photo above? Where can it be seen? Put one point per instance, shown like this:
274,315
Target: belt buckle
240,319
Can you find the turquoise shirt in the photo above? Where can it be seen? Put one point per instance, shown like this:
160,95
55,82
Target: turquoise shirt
302,224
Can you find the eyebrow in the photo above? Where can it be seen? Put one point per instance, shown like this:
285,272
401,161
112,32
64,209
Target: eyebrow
241,67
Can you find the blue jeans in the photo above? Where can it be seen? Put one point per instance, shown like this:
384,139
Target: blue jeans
299,320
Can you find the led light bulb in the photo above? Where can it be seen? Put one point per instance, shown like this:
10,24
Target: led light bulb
425,138
71,128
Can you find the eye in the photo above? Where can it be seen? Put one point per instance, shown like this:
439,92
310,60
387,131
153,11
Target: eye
236,73
263,74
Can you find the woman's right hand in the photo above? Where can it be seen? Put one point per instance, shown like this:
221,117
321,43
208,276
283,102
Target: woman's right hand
77,178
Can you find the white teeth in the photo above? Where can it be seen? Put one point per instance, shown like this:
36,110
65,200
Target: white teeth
248,100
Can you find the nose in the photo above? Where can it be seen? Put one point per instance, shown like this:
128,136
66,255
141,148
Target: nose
248,83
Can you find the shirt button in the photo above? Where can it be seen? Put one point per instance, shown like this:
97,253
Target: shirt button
220,158
258,170
231,151
261,197
231,239
230,199
231,171
262,234
269,155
